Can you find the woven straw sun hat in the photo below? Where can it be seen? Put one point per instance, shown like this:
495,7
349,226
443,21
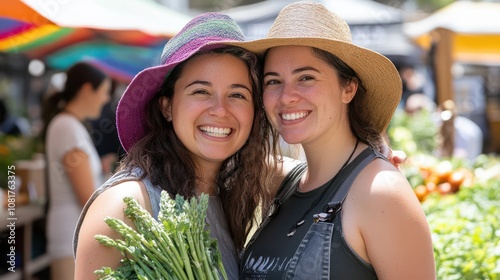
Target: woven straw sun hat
203,32
308,23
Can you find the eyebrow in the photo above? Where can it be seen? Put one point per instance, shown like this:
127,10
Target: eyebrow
209,84
205,83
298,70
240,86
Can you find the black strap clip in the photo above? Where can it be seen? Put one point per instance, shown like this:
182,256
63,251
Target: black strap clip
329,211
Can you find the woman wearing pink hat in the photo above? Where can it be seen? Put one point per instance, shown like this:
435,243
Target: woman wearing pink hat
193,124
347,213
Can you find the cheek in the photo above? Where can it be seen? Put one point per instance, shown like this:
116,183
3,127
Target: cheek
245,117
104,96
269,101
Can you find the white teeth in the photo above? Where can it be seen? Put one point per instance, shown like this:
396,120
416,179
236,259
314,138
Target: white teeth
294,116
216,131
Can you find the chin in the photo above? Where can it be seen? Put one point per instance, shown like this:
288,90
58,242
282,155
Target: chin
292,140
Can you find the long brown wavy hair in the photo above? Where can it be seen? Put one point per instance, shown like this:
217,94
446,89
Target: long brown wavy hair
361,124
244,177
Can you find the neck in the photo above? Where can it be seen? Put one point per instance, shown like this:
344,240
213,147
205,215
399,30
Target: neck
206,182
73,110
324,161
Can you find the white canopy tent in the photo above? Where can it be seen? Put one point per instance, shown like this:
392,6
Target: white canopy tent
140,15
373,25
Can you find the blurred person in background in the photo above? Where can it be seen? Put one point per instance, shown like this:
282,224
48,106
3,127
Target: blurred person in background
74,167
467,135
10,125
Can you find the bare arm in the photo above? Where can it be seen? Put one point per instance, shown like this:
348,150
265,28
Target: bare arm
90,254
393,226
77,165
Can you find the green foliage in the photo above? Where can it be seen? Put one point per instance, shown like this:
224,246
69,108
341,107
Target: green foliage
466,232
13,148
413,134
433,5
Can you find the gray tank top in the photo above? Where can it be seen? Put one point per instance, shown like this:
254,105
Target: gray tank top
216,219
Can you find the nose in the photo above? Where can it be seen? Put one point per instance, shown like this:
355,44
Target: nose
218,107
288,93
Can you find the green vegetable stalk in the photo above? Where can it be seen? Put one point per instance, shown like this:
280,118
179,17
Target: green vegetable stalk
177,246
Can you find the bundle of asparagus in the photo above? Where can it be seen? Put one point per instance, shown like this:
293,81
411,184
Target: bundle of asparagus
177,246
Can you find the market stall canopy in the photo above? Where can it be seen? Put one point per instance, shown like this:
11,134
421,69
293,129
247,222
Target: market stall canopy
373,25
119,61
35,41
476,29
45,29
352,11
145,16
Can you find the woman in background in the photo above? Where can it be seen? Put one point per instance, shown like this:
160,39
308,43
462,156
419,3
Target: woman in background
74,167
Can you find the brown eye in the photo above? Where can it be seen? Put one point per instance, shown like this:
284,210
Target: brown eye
238,95
200,91
306,78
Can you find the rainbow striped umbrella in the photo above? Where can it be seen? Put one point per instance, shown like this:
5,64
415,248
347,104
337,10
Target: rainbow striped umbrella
37,40
119,61
121,36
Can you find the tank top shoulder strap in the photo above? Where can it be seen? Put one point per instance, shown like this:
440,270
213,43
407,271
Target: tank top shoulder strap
154,191
347,176
291,179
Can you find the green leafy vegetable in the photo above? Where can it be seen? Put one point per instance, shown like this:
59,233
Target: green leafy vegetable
466,232
177,246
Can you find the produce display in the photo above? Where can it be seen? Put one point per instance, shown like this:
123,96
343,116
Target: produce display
461,200
428,175
466,232
177,246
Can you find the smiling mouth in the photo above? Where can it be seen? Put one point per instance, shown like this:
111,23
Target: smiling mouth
294,116
216,131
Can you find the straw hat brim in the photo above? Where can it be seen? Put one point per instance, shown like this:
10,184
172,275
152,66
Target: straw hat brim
377,73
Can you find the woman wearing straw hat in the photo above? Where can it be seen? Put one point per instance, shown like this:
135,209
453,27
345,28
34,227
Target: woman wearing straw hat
192,125
347,213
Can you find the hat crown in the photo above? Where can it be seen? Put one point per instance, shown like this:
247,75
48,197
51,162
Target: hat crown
203,29
308,19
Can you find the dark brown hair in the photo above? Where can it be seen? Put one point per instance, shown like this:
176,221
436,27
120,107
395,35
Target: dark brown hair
76,76
243,177
360,122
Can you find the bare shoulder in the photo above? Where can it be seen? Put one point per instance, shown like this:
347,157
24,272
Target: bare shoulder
110,202
389,219
384,192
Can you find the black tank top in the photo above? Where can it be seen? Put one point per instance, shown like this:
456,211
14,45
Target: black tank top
268,256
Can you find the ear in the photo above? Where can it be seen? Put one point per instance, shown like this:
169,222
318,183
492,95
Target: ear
87,87
349,91
166,109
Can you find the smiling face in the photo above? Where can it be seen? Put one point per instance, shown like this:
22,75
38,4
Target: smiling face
212,108
303,97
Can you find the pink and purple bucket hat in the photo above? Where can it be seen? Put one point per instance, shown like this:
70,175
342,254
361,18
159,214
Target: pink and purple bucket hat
205,31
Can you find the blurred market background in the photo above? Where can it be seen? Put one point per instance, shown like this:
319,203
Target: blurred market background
448,122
